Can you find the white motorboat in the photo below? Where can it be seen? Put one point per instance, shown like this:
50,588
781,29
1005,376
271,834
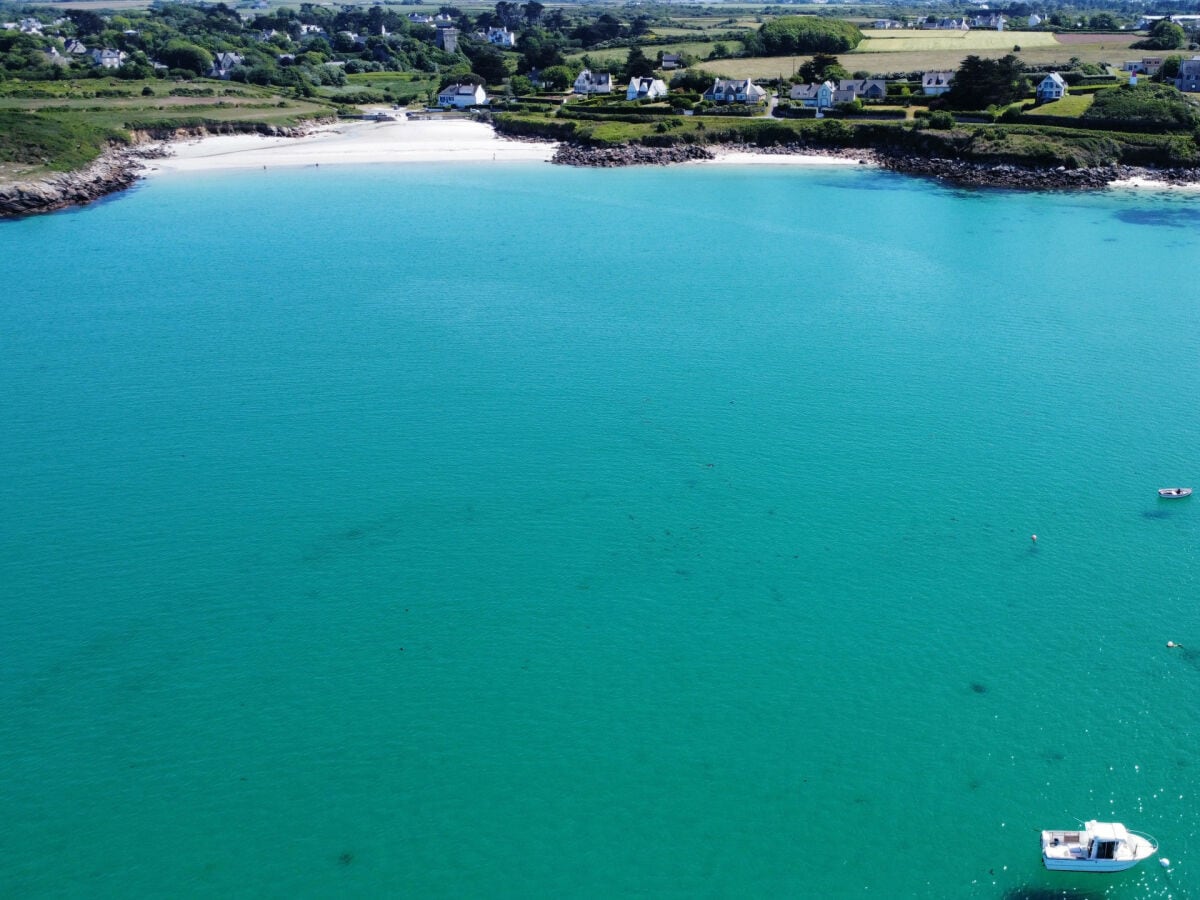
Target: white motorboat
1099,847
1172,493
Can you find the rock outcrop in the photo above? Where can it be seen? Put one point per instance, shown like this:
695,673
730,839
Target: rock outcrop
117,168
114,170
628,155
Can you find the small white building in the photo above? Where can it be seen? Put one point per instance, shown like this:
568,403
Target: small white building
645,88
934,84
590,82
460,96
1050,88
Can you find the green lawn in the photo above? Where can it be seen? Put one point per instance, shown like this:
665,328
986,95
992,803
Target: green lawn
1073,105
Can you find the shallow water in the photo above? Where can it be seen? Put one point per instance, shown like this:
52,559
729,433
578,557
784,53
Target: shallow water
527,531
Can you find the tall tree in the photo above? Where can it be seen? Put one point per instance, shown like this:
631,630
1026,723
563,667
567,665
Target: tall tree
637,65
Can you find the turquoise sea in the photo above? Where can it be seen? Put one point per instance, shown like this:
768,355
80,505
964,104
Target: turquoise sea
520,531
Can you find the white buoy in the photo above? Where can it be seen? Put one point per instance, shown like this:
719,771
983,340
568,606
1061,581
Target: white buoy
1164,862
1172,645
1033,537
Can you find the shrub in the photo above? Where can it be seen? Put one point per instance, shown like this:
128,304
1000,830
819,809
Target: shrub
940,120
808,34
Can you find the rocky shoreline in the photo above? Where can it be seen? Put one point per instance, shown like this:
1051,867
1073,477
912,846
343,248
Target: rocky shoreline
121,166
628,155
953,171
114,170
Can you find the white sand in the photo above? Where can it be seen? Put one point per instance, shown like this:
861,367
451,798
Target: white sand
405,140
354,143
743,158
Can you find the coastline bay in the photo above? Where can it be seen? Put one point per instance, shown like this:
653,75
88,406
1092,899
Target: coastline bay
519,530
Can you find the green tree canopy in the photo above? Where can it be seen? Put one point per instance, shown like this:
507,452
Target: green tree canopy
980,83
181,54
817,69
808,34
1165,35
637,65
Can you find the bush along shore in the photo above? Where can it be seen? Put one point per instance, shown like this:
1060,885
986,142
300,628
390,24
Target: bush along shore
118,165
1015,157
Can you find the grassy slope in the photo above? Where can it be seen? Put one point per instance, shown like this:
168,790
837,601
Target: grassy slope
71,126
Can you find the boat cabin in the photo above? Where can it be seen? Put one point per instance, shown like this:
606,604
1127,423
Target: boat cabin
1100,846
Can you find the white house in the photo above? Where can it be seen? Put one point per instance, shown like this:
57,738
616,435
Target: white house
1052,87
460,96
733,90
107,58
223,64
1034,20
671,61
818,95
1189,75
590,82
501,37
934,84
645,88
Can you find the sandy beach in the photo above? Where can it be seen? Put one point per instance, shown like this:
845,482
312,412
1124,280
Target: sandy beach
448,140
355,143
404,141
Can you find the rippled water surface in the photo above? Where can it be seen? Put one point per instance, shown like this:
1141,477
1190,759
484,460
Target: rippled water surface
525,531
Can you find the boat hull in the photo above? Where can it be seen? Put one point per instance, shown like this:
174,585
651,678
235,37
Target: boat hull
1174,493
1088,865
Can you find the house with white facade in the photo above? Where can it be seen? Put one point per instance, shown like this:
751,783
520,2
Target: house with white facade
76,48
645,88
934,84
590,82
460,96
734,90
108,58
671,61
819,96
1050,88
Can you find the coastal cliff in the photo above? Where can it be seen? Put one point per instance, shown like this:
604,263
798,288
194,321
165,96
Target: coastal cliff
116,169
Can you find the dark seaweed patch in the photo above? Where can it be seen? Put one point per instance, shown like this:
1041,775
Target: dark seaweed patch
1028,892
1170,217
979,688
345,858
1155,514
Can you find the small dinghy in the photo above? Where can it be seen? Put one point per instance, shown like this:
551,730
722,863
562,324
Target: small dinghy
1099,847
1174,493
